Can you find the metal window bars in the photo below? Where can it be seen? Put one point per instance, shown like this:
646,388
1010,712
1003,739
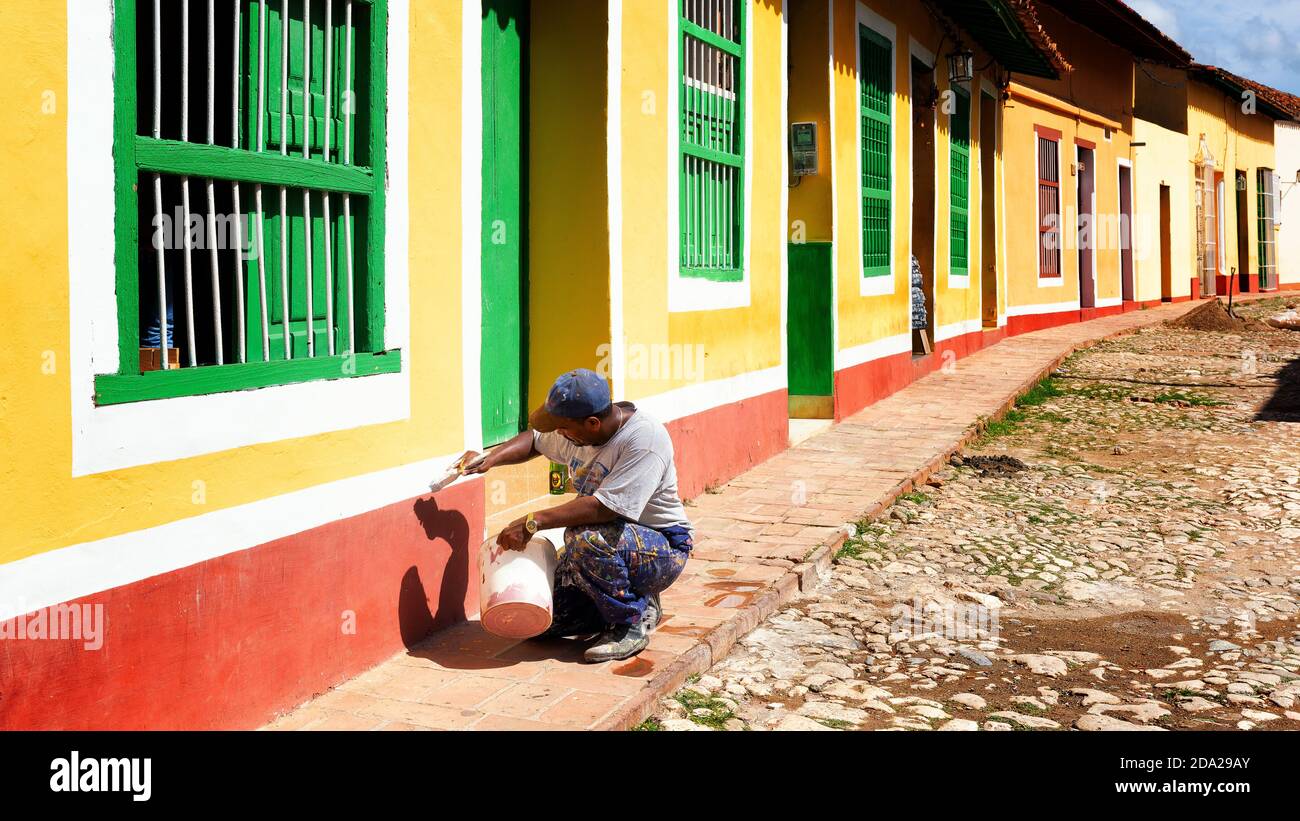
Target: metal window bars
712,138
286,77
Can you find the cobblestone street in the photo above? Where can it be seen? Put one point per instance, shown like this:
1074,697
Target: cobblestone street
1121,551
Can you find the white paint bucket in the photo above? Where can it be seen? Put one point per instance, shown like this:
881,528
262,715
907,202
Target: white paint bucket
515,586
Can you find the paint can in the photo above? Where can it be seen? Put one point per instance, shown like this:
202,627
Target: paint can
515,586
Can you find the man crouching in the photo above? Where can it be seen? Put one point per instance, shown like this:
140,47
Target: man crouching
626,535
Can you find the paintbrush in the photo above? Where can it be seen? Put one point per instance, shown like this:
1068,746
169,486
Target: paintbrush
454,471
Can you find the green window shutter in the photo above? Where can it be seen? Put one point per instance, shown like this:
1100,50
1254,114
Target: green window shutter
711,117
294,124
218,299
1264,217
959,184
876,113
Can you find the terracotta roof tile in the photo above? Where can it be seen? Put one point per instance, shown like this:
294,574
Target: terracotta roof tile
1281,100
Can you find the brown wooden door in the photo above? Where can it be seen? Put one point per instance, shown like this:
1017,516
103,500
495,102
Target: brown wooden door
1087,226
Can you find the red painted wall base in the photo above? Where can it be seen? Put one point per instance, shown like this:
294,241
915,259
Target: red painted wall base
230,642
720,443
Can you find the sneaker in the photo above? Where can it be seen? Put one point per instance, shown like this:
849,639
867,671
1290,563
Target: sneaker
653,612
618,642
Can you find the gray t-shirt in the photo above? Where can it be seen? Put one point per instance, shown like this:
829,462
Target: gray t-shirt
632,474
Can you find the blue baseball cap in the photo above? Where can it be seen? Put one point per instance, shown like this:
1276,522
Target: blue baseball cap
575,395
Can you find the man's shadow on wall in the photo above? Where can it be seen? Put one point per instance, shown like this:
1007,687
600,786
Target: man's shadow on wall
415,615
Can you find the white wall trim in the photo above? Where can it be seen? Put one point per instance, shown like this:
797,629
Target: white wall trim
84,569
876,349
691,293
471,205
704,396
833,146
1110,301
785,191
873,285
957,329
1043,308
614,176
139,433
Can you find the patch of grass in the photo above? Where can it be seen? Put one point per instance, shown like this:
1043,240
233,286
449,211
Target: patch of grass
835,723
1053,417
1006,425
650,725
1170,693
1029,709
1045,389
916,497
718,713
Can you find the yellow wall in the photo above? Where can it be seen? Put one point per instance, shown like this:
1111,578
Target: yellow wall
1237,141
735,340
41,505
864,319
1161,161
811,200
568,199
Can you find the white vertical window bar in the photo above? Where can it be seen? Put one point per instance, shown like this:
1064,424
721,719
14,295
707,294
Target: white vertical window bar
261,142
349,102
159,247
185,181
325,195
306,155
284,194
240,308
215,273
711,180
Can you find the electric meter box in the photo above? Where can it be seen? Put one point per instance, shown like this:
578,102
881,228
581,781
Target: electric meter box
803,149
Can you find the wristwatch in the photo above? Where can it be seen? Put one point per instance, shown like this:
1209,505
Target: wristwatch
530,525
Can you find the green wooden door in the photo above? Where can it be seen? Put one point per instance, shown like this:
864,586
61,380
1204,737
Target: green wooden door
811,340
502,371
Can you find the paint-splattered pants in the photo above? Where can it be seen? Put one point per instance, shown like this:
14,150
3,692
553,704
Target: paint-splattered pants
606,573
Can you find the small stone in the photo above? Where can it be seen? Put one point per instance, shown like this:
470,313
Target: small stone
1096,723
1258,715
959,725
1144,712
682,725
834,712
1042,665
797,723
975,656
1091,697
969,700
1034,722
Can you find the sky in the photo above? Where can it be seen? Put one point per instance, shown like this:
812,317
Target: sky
1258,39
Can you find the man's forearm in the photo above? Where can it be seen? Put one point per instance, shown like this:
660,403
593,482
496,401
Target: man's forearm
584,510
518,449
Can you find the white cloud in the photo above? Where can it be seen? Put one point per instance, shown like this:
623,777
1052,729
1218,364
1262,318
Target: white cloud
1256,40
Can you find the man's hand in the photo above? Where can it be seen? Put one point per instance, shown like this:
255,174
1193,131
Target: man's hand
473,462
513,536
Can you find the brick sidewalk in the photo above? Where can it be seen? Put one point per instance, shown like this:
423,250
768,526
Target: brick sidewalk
756,547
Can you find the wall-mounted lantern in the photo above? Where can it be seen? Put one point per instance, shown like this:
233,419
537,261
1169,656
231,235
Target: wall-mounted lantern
961,65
